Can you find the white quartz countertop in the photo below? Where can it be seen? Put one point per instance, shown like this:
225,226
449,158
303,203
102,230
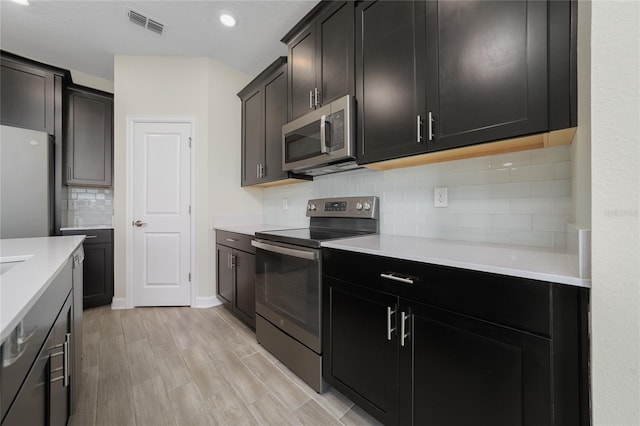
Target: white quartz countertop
85,227
251,229
537,264
22,285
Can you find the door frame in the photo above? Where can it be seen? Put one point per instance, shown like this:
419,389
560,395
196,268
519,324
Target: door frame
131,123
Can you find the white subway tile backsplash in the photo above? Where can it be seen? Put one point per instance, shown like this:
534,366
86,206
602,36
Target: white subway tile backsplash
473,192
551,188
562,206
521,198
532,205
475,221
549,222
532,173
562,170
510,190
511,221
87,206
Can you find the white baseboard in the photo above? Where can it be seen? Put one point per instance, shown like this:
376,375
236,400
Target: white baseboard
207,302
120,303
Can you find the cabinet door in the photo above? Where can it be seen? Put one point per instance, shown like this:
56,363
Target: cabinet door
225,274
334,52
89,139
467,371
302,73
390,88
97,275
30,405
245,288
59,387
27,97
275,115
253,137
359,358
487,70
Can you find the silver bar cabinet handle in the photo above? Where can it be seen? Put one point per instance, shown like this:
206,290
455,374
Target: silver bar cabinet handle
310,99
390,276
232,240
317,97
389,328
430,118
403,334
88,237
66,357
419,129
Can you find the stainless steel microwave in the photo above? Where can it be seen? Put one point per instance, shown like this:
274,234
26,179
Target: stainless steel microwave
321,141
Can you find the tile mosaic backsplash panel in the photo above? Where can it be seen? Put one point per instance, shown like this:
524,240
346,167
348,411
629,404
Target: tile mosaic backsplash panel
87,206
521,198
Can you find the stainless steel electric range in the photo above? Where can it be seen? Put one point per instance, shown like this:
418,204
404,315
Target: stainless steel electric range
289,281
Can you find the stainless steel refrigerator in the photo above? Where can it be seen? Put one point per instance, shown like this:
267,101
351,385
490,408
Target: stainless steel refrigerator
26,183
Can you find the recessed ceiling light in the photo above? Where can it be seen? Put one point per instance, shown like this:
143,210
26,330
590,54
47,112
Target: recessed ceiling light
228,20
21,2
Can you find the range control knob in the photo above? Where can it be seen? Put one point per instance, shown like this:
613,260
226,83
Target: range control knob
358,206
312,207
367,206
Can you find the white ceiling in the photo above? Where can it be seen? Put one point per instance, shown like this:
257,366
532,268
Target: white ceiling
85,35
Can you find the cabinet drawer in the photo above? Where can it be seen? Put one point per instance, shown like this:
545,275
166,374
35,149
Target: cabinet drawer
235,240
94,236
515,302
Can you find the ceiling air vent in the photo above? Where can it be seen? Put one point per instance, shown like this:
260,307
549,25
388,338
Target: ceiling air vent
141,20
154,26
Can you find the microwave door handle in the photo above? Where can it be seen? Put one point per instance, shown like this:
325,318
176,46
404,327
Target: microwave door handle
323,134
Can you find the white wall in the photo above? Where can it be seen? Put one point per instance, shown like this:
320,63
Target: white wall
182,87
615,170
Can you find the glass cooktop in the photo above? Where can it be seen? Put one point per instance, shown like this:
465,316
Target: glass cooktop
307,237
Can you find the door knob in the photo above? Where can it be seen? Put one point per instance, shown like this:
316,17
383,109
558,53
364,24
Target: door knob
139,223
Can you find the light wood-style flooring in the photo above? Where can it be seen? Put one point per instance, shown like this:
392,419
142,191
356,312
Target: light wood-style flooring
184,366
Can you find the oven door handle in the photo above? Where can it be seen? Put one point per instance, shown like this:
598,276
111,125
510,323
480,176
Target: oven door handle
302,254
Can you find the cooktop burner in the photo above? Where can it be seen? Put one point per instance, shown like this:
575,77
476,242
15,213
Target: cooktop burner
331,218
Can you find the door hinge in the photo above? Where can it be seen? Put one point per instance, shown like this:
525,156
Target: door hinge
189,141
189,276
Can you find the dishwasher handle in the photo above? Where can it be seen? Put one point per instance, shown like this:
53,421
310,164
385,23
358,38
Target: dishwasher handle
287,251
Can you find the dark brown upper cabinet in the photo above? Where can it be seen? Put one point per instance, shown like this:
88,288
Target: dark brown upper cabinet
264,111
390,84
320,57
88,137
437,75
27,97
487,71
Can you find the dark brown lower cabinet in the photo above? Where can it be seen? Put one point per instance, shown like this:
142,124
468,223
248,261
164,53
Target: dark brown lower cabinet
442,346
98,266
499,375
44,398
235,264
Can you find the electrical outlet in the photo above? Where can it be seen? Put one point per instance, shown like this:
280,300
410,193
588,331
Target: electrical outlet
440,198
285,204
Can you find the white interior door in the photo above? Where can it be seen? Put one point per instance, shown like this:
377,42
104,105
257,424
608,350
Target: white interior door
161,214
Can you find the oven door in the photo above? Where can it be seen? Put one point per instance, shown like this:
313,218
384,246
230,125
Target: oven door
288,289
